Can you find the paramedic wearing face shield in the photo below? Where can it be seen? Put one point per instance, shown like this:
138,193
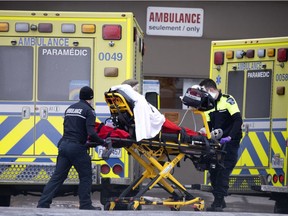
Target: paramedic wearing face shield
226,115
79,123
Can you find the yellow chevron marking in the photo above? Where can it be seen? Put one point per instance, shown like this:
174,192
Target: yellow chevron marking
259,148
57,123
276,147
15,135
246,158
2,119
44,145
12,172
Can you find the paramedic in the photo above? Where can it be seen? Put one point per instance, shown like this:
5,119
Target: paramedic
79,123
226,115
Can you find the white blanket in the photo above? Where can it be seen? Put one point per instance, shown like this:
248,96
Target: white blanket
148,120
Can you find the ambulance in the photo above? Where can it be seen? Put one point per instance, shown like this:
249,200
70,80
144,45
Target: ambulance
45,58
255,72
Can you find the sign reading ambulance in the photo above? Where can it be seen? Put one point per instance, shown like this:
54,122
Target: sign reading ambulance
166,21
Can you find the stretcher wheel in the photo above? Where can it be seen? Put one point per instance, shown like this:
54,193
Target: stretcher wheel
134,206
174,208
107,206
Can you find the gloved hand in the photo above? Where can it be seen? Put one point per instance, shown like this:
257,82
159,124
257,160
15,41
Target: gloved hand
225,140
109,149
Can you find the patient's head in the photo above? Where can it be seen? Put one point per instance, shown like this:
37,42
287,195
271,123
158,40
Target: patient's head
133,83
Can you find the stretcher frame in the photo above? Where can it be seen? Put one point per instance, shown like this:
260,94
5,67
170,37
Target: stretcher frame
153,156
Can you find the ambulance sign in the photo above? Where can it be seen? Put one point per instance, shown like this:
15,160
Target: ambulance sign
168,21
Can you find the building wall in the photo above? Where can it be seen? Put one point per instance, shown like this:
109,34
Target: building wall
186,57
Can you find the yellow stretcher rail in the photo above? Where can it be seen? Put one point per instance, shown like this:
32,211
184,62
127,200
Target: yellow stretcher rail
154,156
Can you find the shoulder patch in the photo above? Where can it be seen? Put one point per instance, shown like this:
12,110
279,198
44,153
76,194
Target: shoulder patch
230,101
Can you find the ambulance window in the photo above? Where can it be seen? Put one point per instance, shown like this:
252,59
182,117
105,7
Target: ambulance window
16,73
236,87
58,67
258,94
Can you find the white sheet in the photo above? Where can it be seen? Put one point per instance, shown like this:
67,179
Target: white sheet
148,120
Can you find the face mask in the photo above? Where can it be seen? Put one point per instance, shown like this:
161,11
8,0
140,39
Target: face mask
213,94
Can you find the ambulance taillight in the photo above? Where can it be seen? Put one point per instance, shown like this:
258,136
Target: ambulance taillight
111,32
275,178
117,169
105,169
281,178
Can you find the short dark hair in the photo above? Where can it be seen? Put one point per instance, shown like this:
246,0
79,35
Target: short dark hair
208,83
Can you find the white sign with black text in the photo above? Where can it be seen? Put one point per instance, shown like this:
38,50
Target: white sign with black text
170,21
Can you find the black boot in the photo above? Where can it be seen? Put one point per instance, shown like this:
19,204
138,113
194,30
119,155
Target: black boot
218,205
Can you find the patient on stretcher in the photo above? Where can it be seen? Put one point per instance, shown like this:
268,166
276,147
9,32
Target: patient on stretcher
147,122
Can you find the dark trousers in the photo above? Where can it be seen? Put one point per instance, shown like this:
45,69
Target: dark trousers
219,176
70,153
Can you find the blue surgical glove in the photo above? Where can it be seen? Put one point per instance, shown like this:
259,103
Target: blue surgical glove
225,140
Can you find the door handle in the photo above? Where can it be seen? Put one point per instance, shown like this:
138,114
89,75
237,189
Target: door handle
246,128
43,112
25,112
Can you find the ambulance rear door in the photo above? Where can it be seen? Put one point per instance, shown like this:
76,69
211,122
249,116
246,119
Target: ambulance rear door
16,98
62,69
251,85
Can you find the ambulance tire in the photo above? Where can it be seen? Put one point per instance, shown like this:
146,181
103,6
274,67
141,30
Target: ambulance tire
281,206
5,200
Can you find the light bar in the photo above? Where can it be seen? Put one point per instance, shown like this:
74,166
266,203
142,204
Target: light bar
250,53
88,28
240,54
282,55
111,32
229,54
261,53
68,28
22,27
219,58
4,27
45,27
271,52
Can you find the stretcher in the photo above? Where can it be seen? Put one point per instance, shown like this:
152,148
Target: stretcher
159,156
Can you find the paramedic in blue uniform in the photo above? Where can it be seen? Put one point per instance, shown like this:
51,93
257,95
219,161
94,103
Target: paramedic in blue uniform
79,123
226,115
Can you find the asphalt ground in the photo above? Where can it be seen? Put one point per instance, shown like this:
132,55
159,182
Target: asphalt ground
236,205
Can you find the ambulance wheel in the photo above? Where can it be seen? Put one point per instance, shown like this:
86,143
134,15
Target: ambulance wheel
281,206
5,200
